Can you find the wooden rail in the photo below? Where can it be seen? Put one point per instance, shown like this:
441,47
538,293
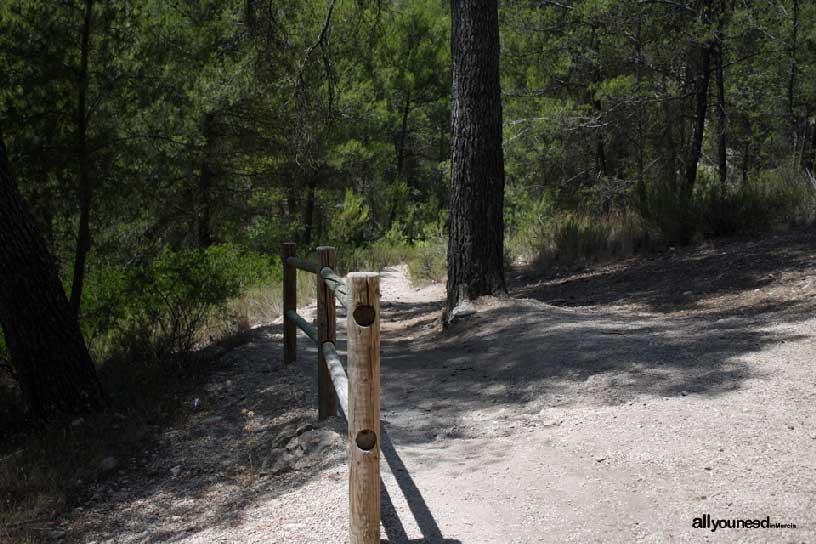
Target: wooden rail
336,284
301,323
357,393
338,376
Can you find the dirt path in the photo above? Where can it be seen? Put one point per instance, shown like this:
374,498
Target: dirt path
615,404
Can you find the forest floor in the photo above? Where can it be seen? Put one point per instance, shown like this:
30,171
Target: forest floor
613,403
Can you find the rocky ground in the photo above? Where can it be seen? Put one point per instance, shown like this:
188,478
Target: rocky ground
610,403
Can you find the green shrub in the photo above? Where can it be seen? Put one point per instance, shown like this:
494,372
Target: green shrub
171,303
537,232
428,259
669,210
178,293
529,224
428,262
351,225
389,250
775,199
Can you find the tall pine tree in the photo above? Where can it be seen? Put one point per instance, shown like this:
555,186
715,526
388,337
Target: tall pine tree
476,230
47,350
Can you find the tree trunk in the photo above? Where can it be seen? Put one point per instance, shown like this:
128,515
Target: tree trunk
406,109
722,117
83,241
476,229
641,183
792,74
670,171
51,362
810,157
702,79
205,182
597,106
308,213
205,201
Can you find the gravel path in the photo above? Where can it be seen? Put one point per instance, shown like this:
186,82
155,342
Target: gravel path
595,407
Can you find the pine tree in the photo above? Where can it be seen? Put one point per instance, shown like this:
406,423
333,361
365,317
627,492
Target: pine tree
476,229
47,349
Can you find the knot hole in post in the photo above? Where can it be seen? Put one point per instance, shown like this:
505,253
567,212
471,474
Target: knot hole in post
366,440
364,315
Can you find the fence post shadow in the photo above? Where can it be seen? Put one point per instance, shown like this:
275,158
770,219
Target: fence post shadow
355,392
394,530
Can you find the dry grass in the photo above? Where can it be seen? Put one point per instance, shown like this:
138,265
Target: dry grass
259,305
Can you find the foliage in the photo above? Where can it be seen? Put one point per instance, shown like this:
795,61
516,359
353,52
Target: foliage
217,130
778,199
427,262
352,221
164,306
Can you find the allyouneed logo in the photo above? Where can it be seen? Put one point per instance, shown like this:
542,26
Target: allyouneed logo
707,522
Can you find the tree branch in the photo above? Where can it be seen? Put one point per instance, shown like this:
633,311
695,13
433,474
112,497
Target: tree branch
320,38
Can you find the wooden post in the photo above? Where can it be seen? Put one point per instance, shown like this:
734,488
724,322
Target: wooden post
289,303
326,332
364,407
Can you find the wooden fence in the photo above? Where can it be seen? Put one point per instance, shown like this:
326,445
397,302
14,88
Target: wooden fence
358,394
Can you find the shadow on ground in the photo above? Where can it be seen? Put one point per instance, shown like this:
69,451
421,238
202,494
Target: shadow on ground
676,280
211,471
694,318
208,470
691,321
394,529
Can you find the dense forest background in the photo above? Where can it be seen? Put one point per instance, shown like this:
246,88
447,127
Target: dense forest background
167,149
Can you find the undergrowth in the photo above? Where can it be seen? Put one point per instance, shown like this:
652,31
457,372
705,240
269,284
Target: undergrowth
656,217
156,329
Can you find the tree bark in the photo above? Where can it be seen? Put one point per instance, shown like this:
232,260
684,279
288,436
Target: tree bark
205,201
51,362
476,222
702,77
792,73
205,182
810,157
600,152
641,182
309,212
722,115
403,135
83,241
670,170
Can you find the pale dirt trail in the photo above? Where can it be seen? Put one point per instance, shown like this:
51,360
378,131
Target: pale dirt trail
525,422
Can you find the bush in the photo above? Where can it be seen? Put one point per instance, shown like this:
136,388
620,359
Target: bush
671,211
175,296
351,224
579,237
537,232
168,304
776,199
428,259
529,223
658,215
428,262
390,250
426,256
